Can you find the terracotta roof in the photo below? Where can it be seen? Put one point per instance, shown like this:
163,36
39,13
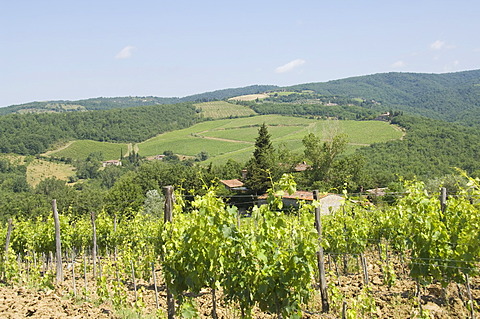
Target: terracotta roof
297,195
301,167
232,183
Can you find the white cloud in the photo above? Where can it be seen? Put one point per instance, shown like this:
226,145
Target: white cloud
290,66
398,64
440,45
437,45
125,53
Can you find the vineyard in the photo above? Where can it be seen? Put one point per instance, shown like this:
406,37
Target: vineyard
417,258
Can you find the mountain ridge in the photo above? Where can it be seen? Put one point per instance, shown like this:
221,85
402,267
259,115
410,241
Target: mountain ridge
453,97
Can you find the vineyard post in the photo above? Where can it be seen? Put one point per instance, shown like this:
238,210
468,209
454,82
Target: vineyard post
168,216
320,258
9,234
155,285
471,302
94,249
73,274
443,199
7,242
58,242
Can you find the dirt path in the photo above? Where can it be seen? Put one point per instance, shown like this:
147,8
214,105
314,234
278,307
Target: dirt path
222,139
48,153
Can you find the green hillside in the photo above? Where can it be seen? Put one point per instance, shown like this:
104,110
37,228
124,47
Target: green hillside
81,149
429,149
108,103
35,133
234,138
222,109
447,96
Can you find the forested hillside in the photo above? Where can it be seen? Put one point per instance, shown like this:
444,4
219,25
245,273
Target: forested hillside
448,96
34,133
315,105
104,103
453,97
430,149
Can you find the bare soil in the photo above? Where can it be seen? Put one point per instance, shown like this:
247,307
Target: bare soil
397,301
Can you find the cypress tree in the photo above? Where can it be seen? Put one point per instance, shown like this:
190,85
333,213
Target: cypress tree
260,166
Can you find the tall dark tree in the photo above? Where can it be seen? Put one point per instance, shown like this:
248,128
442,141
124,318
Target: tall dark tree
261,165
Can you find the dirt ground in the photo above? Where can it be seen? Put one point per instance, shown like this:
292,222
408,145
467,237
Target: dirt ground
397,301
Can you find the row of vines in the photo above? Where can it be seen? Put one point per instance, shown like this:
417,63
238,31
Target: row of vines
266,260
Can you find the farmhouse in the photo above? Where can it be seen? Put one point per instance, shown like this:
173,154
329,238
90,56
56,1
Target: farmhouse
233,184
301,167
111,162
159,157
328,202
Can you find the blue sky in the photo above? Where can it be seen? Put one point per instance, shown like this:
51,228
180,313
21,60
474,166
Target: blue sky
51,50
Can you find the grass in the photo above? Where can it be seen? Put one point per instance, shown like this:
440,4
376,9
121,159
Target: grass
82,148
39,169
249,97
222,109
234,138
14,159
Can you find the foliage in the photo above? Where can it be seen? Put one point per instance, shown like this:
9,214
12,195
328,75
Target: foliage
34,133
104,103
222,109
448,96
430,149
261,166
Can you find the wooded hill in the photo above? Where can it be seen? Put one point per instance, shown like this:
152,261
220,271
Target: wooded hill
449,96
453,97
30,134
430,148
107,103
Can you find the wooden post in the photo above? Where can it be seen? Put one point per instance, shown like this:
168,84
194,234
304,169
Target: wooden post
57,242
94,248
168,211
9,234
155,285
443,199
168,216
320,257
134,280
364,268
7,243
73,275
85,270
470,299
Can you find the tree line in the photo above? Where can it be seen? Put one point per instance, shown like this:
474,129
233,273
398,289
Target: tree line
30,134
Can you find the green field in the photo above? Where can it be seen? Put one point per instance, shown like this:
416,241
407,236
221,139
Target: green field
234,138
82,148
222,110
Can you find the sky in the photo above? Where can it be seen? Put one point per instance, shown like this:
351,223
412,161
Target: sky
70,49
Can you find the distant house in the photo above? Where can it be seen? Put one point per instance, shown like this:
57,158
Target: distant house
159,157
301,167
111,162
233,185
383,117
377,191
328,202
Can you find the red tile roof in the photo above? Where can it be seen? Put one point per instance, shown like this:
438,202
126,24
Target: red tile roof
232,183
